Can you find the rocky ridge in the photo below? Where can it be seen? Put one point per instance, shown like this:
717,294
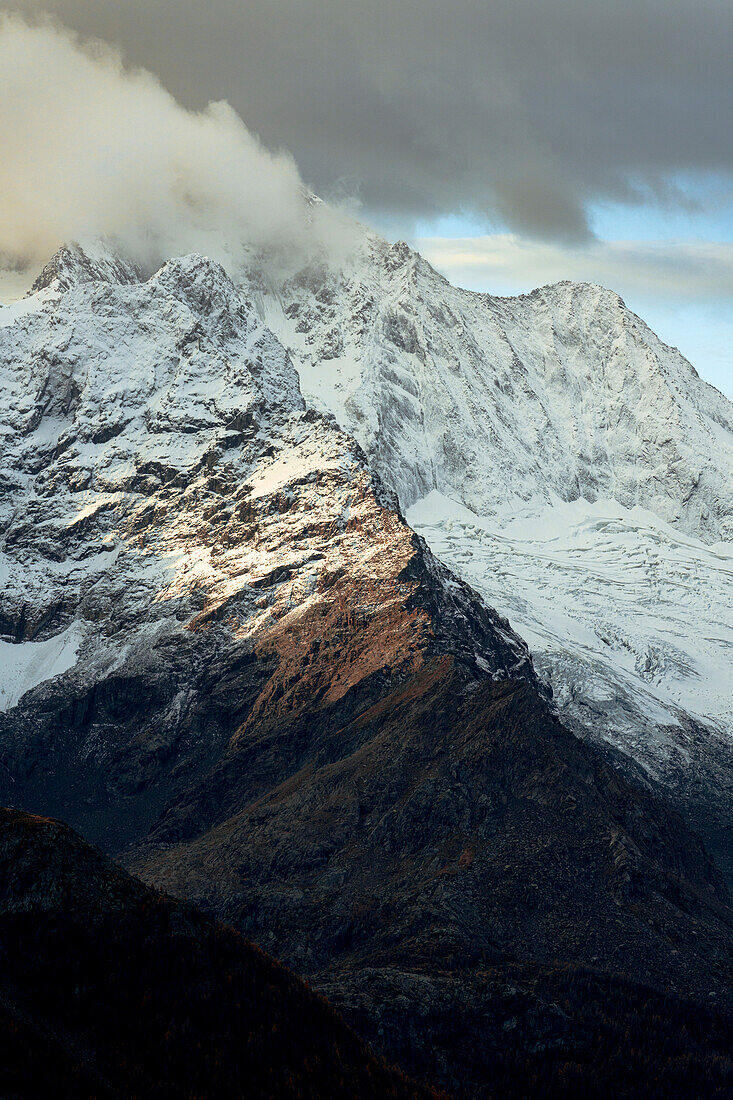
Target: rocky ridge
571,467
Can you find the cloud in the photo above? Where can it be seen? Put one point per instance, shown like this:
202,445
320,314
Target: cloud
90,147
665,270
523,111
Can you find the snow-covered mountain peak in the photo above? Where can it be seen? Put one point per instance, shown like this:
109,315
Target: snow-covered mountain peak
94,261
563,392
181,348
564,288
196,274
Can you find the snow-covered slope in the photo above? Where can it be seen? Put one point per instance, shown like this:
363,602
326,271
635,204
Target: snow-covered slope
111,389
564,461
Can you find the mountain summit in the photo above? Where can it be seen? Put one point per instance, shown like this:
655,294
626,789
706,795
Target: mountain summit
561,393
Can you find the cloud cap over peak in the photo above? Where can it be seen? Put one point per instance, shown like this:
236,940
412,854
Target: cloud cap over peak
92,148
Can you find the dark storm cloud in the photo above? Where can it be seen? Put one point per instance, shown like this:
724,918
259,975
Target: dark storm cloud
521,111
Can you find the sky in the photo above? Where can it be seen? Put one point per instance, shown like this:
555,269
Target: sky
515,142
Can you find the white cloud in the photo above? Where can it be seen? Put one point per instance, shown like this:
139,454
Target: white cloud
524,114
653,269
91,148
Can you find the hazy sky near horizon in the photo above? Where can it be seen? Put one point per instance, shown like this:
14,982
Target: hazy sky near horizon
516,141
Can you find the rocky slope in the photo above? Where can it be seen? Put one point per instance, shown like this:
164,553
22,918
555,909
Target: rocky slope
453,821
110,990
571,467
448,864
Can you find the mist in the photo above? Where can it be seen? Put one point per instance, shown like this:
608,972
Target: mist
93,148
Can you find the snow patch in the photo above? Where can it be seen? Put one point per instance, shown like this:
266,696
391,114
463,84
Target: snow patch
25,665
293,466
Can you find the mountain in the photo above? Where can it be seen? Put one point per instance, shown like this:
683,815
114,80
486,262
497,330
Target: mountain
187,551
235,666
110,990
559,393
570,466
